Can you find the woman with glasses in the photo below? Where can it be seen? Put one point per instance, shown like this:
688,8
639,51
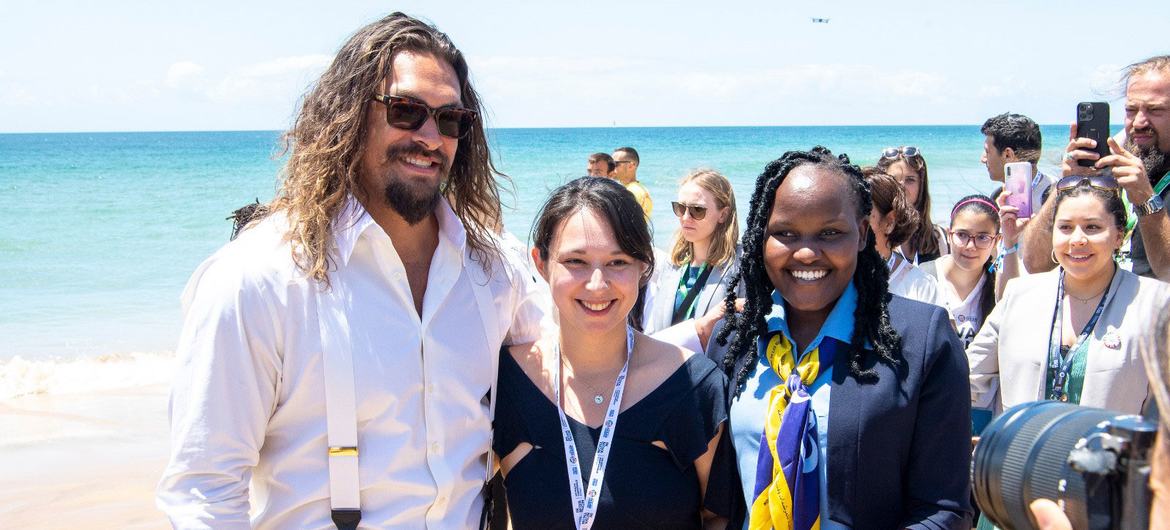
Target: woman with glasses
893,220
848,406
599,425
1071,334
703,257
906,164
965,277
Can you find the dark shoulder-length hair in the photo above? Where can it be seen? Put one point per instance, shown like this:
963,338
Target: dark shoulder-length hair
614,203
871,278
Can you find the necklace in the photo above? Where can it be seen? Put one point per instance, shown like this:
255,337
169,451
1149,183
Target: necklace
1086,300
598,396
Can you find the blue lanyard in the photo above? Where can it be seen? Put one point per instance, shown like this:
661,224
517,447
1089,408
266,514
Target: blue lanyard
1062,364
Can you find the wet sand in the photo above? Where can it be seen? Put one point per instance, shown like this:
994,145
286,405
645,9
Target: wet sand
83,460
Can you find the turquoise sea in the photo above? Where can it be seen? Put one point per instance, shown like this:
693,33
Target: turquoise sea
99,231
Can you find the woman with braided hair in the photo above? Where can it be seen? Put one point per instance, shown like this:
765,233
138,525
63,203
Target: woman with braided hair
848,406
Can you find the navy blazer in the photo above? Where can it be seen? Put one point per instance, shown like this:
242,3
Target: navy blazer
899,447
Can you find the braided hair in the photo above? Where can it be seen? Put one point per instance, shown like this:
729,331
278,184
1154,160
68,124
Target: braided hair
871,278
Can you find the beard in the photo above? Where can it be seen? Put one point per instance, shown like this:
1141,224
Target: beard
413,200
1153,158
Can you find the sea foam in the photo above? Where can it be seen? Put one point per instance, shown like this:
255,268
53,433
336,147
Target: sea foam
21,377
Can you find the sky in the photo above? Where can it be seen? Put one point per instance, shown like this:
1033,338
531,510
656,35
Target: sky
162,65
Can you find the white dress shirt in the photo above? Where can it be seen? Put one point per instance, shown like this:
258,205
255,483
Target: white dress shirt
248,429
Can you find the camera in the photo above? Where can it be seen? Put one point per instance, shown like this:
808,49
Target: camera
1085,112
1094,463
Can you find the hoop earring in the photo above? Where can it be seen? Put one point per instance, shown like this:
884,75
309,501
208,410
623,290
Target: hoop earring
1054,257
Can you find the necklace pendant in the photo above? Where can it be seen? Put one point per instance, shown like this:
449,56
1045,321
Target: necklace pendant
598,399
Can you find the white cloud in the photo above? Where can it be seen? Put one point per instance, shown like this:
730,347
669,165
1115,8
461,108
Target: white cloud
182,74
288,65
279,78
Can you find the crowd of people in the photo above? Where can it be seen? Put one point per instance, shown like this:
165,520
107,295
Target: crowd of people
370,352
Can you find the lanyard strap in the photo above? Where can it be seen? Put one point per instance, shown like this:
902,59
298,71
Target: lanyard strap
680,312
1162,183
1059,365
585,501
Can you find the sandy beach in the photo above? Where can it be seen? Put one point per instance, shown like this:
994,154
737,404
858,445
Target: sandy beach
87,460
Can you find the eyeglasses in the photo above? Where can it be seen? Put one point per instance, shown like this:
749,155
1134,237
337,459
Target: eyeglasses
908,151
1100,182
981,240
404,113
697,212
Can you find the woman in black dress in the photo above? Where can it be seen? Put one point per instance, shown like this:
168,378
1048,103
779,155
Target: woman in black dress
600,426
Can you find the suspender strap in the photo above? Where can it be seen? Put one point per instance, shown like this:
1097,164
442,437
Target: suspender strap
340,406
341,403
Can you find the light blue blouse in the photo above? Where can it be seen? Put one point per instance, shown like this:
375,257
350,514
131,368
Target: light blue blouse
750,407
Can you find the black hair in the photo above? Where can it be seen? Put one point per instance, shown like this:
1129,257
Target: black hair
612,201
1016,131
1110,199
243,216
609,163
984,205
633,153
871,277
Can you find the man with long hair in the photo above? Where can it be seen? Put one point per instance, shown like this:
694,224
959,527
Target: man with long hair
337,358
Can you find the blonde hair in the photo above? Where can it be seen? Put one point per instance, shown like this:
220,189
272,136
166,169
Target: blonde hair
328,136
726,233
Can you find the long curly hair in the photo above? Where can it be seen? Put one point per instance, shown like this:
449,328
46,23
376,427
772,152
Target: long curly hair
327,138
871,278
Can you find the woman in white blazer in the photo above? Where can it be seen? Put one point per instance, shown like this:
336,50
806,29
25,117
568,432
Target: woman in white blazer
1072,334
703,257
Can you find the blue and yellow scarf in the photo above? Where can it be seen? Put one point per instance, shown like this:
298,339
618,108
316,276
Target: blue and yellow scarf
787,490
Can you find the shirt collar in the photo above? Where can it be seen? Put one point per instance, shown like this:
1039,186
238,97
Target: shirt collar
354,220
838,325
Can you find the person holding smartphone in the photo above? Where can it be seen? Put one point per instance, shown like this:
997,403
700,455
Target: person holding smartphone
1140,166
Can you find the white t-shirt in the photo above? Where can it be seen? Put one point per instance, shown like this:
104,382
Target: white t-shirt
908,281
966,314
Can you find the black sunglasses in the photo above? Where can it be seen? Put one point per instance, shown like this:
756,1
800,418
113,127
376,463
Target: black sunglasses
1100,182
697,212
908,151
404,113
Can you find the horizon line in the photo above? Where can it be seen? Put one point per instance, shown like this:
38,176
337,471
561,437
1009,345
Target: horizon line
16,133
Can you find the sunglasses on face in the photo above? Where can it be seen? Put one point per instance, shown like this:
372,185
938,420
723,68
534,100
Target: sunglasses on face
697,212
408,114
908,151
1100,182
981,240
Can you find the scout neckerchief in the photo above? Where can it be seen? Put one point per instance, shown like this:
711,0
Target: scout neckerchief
687,294
1066,373
787,491
585,501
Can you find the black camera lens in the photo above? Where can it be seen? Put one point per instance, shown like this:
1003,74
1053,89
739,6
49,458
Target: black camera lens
1024,456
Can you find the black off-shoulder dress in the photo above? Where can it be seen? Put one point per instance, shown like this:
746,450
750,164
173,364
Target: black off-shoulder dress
645,486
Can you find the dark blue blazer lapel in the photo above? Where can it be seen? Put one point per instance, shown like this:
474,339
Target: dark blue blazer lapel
847,406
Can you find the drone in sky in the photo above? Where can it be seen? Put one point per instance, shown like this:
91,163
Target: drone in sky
818,20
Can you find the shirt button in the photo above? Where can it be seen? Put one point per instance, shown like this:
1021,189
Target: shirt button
431,388
434,447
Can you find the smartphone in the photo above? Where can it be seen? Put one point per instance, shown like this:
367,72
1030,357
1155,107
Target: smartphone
1093,122
1017,178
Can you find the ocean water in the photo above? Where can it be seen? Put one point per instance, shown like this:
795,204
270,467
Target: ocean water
99,231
